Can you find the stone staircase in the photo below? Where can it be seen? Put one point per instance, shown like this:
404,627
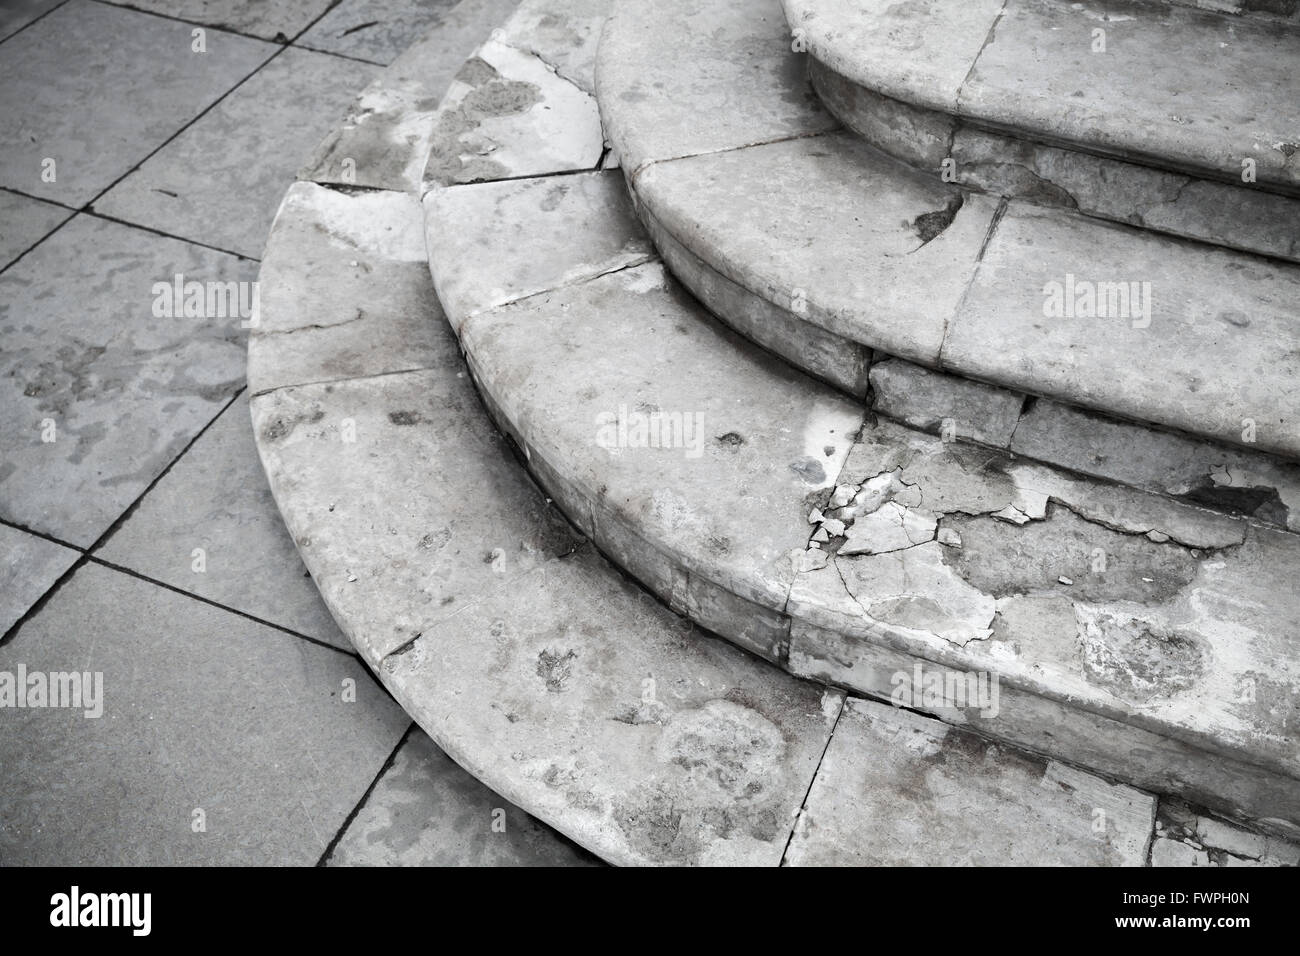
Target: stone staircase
736,499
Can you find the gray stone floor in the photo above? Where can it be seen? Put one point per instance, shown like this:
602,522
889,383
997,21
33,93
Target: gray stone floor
138,540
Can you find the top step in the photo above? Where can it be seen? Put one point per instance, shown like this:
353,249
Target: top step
1163,85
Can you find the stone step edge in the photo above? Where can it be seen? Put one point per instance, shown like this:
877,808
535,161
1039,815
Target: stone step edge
913,93
856,370
588,508
996,161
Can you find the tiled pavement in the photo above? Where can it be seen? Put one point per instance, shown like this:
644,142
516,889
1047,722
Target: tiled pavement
137,535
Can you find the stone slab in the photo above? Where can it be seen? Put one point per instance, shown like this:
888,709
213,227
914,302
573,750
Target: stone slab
218,182
1233,480
280,21
508,115
564,33
215,500
120,390
137,83
751,87
957,408
1211,330
383,141
315,323
29,566
427,811
16,14
25,222
579,697
1185,837
426,504
734,442
247,724
376,30
765,217
573,228
899,789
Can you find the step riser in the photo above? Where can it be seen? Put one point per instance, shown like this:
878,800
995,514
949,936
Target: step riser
1174,202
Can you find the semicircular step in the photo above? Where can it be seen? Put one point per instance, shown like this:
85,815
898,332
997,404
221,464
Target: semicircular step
830,253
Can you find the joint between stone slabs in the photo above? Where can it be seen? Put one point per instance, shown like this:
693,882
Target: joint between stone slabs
261,393
988,38
994,223
793,137
812,779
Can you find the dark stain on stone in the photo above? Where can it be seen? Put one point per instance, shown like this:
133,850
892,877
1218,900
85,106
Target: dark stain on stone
730,440
1257,501
930,225
1003,559
809,469
282,425
555,668
405,418
1140,660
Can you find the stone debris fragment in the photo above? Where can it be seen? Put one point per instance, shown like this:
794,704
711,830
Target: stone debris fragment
949,537
891,527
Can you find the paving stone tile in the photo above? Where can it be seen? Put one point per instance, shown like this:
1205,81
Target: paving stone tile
578,696
29,566
384,140
216,499
509,115
564,33
427,811
899,789
376,30
425,503
201,710
346,291
87,363
24,222
281,20
136,82
219,182
16,14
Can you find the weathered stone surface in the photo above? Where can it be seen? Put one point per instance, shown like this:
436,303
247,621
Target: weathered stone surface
215,501
572,228
672,424
218,182
16,14
579,697
425,506
509,115
1057,587
24,222
1206,119
384,140
1184,837
1204,344
87,362
312,325
763,217
29,566
564,33
282,20
917,52
136,83
264,716
376,30
654,94
1233,480
945,404
899,789
426,811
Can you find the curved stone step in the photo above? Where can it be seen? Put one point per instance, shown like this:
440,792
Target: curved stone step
520,650
1126,630
779,222
1170,87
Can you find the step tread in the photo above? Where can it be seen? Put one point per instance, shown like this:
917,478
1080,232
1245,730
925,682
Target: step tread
1187,89
833,234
